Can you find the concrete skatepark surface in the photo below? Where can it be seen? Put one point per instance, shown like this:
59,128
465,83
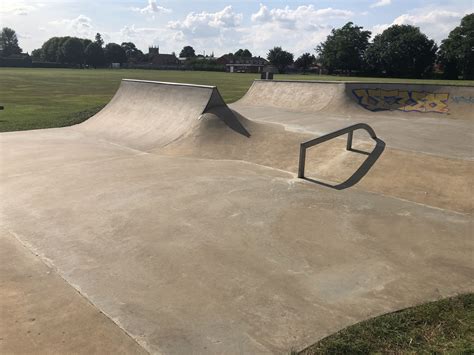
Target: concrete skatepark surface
184,229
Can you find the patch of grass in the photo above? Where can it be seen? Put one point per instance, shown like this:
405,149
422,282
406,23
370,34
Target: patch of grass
445,326
44,98
81,116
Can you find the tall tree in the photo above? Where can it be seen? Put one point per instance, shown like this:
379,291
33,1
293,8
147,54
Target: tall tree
402,51
304,61
456,53
132,52
60,53
72,51
344,48
37,54
187,52
9,42
50,49
99,40
85,42
115,54
280,58
245,53
94,55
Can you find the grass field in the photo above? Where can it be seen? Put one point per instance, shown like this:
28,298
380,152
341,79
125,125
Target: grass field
44,98
441,327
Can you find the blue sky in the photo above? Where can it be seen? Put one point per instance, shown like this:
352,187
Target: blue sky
222,26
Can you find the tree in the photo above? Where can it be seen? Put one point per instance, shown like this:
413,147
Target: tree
456,53
245,53
37,54
344,48
187,52
132,52
9,42
94,55
280,58
99,40
60,54
305,61
401,51
85,42
72,51
50,49
115,54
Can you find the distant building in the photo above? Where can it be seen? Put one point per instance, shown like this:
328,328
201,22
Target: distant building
158,59
242,65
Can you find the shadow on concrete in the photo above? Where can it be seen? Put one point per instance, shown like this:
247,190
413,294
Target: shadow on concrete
231,118
361,171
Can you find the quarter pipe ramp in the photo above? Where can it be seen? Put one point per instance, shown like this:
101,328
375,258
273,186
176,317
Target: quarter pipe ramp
363,98
150,114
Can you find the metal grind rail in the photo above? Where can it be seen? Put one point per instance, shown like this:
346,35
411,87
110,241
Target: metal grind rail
350,133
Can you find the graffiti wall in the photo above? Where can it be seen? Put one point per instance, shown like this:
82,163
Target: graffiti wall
402,100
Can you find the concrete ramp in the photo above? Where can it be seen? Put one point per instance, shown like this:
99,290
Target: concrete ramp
150,114
363,98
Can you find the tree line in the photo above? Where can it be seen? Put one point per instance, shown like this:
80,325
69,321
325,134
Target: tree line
399,51
73,50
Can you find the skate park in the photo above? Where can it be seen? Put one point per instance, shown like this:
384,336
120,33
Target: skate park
183,222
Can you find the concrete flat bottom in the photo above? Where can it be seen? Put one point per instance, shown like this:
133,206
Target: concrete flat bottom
42,313
215,256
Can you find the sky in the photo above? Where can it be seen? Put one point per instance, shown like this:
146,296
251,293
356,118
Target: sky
222,26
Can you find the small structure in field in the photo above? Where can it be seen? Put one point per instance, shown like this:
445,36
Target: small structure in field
235,64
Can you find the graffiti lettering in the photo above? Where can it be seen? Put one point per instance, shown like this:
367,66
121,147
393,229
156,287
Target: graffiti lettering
402,100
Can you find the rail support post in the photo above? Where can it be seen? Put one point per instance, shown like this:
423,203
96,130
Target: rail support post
302,161
349,140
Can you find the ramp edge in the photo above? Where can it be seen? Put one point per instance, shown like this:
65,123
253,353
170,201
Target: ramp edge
170,83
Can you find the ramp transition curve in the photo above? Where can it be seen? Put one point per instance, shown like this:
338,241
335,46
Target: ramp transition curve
151,114
362,98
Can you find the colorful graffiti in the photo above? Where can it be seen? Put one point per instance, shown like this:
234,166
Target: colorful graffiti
402,100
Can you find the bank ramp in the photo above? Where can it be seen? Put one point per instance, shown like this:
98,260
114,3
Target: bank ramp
363,98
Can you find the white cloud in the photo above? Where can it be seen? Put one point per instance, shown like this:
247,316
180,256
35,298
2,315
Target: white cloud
297,29
79,26
205,24
152,8
307,15
378,29
381,3
436,24
17,8
24,36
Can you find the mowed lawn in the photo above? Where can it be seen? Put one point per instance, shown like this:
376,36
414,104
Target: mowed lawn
44,98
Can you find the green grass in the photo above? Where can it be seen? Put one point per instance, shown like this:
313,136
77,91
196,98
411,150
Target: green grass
441,327
43,98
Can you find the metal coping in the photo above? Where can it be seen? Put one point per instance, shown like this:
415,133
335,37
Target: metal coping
363,82
170,83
